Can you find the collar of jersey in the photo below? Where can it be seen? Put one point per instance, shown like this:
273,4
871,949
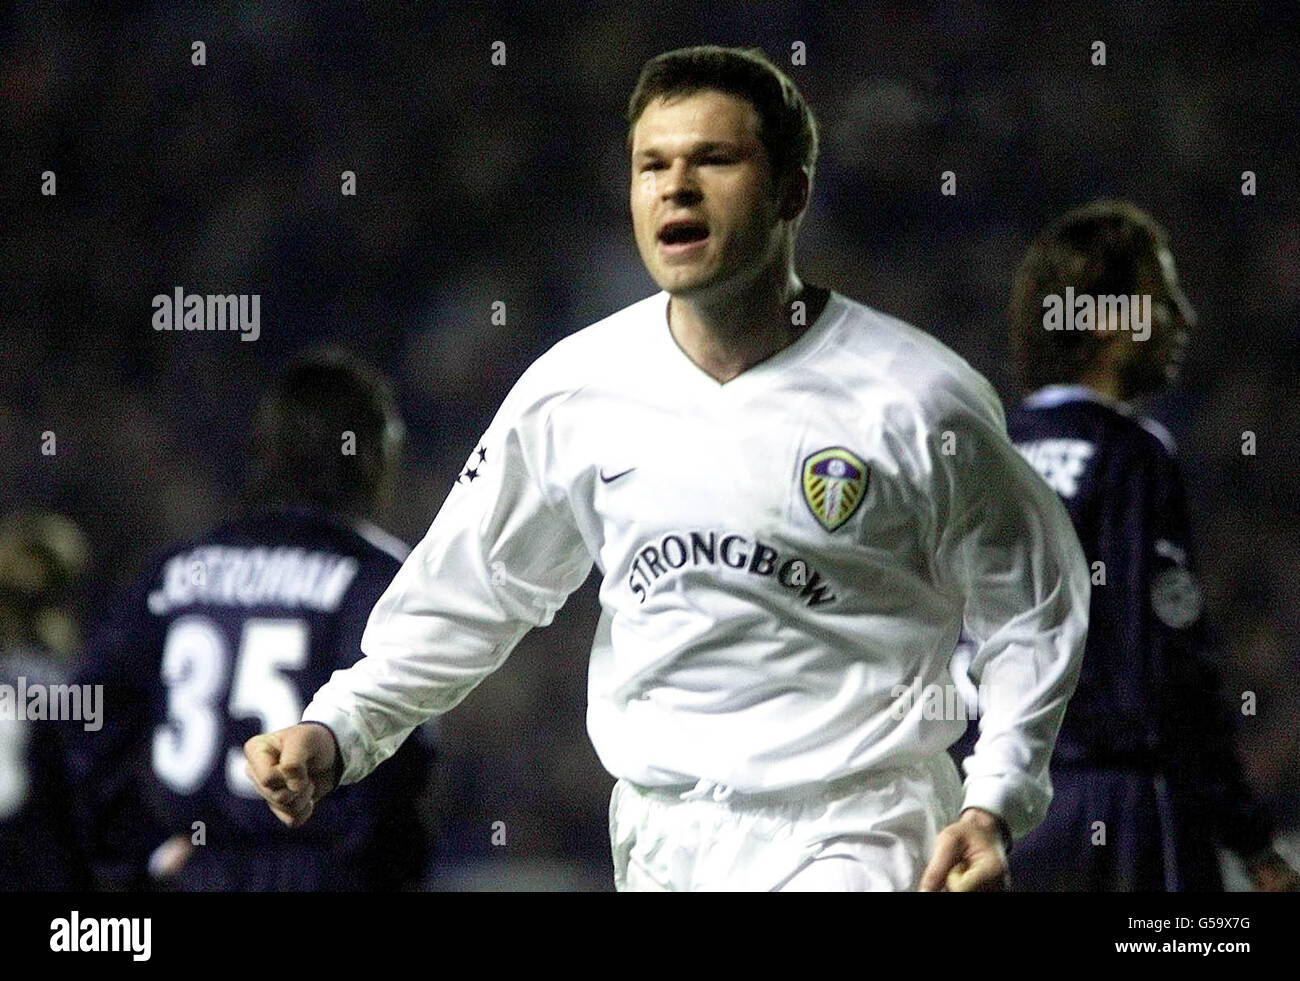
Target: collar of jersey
1053,395
807,342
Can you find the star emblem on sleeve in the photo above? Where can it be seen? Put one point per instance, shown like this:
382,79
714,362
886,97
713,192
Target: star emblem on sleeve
471,472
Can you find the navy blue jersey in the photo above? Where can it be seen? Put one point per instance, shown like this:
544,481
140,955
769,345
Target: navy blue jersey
221,639
40,849
1148,701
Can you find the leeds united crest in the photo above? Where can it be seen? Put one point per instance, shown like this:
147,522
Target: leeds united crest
834,484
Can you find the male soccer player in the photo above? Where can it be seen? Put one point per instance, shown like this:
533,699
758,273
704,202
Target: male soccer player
1146,778
232,633
791,500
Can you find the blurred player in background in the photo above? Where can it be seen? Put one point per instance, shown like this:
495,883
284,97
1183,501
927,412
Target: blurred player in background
792,499
41,558
230,634
1147,781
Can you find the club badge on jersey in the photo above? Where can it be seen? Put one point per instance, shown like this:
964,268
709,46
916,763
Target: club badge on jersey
834,484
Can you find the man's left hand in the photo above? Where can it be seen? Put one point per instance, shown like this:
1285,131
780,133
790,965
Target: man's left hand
968,856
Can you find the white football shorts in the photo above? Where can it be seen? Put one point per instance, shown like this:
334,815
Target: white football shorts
872,831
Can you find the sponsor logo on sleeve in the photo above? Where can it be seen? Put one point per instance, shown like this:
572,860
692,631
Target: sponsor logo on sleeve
1176,597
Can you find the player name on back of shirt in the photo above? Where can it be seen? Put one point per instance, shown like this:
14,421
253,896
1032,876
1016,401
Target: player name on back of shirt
258,576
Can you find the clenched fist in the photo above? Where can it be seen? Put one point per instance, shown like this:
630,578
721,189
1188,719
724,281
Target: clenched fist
968,856
292,769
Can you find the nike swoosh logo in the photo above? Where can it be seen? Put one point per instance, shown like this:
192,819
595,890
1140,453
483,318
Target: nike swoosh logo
623,473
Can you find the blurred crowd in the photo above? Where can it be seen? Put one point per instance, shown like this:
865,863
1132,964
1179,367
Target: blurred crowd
481,183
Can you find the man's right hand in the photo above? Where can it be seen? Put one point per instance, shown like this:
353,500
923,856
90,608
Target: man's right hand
292,769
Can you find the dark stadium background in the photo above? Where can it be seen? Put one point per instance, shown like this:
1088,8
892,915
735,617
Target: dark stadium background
480,183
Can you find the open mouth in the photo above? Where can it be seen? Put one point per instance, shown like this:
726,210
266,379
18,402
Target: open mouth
679,236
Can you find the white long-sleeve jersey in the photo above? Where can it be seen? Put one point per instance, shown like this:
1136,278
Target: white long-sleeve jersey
786,561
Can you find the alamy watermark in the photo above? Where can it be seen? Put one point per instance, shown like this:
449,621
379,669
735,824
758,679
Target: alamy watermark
102,934
211,311
1101,313
962,703
40,702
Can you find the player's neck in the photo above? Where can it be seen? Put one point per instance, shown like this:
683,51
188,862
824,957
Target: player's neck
1103,380
726,334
